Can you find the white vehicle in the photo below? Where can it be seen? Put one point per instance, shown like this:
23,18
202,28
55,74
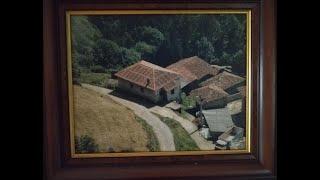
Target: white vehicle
221,145
228,136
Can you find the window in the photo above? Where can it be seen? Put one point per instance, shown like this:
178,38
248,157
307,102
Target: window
141,89
172,91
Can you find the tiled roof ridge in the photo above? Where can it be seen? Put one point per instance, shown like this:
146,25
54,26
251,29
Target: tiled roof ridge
232,74
159,68
141,74
183,60
192,68
151,72
130,67
192,57
154,79
153,69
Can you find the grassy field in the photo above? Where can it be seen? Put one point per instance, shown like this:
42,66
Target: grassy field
153,143
113,127
98,79
182,140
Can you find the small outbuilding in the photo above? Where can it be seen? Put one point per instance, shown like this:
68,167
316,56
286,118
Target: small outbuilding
192,71
218,120
211,96
226,81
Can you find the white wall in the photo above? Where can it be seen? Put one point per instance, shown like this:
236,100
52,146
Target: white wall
171,97
135,89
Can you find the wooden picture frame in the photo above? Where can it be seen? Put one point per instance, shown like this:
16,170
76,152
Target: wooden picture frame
260,162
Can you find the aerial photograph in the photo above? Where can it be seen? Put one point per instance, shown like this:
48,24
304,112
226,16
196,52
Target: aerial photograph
158,82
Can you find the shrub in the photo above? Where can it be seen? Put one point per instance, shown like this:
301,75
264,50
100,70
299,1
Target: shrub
76,81
112,84
110,149
97,79
97,69
147,51
76,73
187,102
127,149
85,144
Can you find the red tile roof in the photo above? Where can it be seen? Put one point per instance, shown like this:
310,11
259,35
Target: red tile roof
149,75
192,68
209,93
223,80
242,90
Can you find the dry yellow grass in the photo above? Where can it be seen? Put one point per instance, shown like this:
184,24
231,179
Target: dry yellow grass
109,123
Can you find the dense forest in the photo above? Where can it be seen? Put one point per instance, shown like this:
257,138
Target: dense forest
104,43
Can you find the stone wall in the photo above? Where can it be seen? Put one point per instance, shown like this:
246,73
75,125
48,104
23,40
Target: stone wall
147,93
175,95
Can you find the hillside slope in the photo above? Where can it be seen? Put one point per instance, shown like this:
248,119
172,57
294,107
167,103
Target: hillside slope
111,125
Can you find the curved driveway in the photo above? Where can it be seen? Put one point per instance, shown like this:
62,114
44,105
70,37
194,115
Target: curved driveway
161,130
191,128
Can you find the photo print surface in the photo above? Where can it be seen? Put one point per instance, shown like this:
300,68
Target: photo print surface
158,83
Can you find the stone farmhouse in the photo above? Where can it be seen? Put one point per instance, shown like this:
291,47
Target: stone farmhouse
150,81
211,96
192,75
193,70
227,81
214,88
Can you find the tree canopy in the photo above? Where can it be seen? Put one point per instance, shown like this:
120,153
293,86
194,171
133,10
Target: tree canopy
115,42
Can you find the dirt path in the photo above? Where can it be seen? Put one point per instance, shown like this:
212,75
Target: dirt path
161,130
191,128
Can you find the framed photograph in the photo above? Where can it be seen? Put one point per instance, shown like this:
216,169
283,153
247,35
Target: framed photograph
159,89
150,82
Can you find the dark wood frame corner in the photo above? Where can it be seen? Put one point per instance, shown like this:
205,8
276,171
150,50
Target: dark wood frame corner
260,163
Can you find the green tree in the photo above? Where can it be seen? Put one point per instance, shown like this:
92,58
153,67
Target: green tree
164,39
187,102
97,69
85,144
107,53
151,35
226,59
75,73
205,50
84,37
238,63
147,51
129,56
110,26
